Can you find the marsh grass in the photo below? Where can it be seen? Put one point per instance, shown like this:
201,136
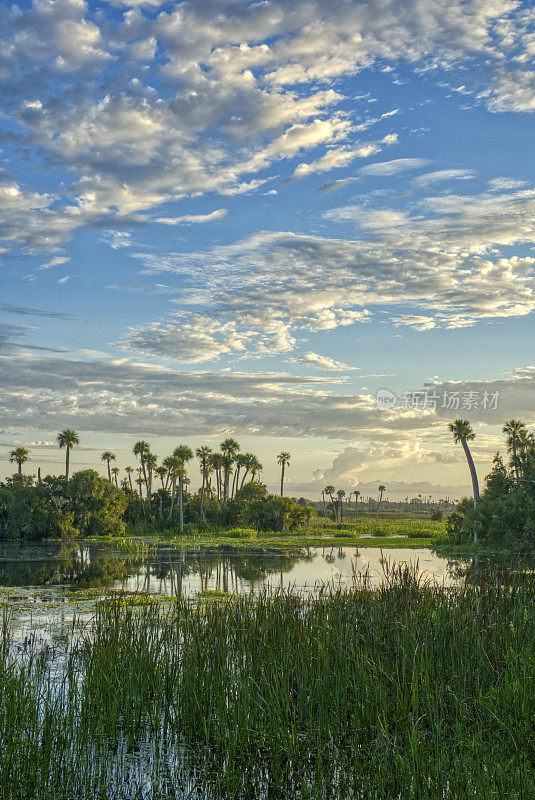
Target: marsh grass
405,691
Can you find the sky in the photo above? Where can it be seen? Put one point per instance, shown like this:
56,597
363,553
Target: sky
246,219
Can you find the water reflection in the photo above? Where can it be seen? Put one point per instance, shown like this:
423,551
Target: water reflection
52,588
169,570
165,569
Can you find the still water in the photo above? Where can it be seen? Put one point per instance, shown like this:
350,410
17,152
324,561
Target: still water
165,569
46,585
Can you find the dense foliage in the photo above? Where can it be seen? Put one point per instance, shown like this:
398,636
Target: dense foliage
85,505
505,511
89,505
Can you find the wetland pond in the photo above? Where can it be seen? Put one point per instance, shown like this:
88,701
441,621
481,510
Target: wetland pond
46,585
275,698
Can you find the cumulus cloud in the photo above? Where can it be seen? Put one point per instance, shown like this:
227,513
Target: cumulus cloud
441,260
512,90
159,103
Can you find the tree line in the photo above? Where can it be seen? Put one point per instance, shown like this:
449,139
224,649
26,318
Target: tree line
155,492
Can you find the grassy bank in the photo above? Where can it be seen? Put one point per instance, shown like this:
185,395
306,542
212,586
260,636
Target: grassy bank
365,533
407,691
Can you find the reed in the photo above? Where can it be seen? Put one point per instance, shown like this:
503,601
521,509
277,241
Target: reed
404,691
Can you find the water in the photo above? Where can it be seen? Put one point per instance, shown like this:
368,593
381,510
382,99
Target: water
48,584
52,590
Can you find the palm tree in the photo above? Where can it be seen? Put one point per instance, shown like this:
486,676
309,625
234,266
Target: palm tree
108,456
115,471
203,454
67,439
161,472
329,490
340,495
242,461
381,488
229,449
142,449
255,467
357,495
129,472
171,464
216,462
283,460
182,454
526,442
227,461
20,455
463,433
150,463
140,481
323,501
515,430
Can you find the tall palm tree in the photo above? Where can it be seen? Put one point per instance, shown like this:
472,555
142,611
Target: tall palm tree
242,460
203,454
20,455
182,454
142,449
171,464
463,433
115,471
129,472
67,439
216,462
150,464
229,449
340,495
248,460
108,456
283,460
357,495
515,430
227,461
323,501
381,489
329,490
140,482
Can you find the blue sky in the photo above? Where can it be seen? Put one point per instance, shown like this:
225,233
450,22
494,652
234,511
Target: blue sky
247,218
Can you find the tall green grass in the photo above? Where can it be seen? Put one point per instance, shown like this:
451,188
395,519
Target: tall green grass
370,526
406,691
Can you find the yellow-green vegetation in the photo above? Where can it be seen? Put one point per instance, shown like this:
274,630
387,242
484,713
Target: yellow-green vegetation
365,532
128,600
211,595
406,691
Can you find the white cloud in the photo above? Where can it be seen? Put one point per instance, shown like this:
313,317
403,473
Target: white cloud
444,175
503,184
395,167
220,213
55,262
220,102
440,259
417,321
512,90
324,362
